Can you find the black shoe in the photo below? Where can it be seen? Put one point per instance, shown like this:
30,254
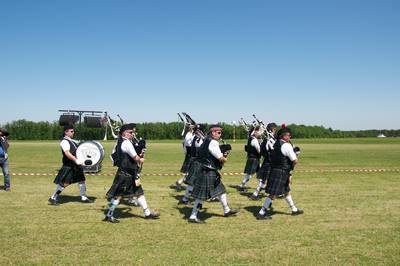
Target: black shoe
87,200
196,221
266,216
253,197
231,212
298,212
110,219
53,202
184,201
153,215
241,189
178,186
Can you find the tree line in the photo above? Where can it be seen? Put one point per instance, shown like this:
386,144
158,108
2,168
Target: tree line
29,130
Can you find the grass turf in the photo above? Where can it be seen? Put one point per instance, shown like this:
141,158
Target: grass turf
350,218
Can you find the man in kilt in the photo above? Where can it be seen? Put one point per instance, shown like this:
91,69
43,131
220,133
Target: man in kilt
193,165
127,179
283,160
71,170
253,156
266,147
208,182
187,143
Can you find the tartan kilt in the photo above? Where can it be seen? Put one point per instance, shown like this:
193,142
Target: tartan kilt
186,163
208,185
252,166
278,182
124,185
264,171
69,175
194,171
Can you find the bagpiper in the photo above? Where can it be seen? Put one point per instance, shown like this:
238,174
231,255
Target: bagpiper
266,148
208,183
186,144
253,155
194,163
283,160
127,179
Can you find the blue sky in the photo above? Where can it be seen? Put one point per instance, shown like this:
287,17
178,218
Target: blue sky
331,63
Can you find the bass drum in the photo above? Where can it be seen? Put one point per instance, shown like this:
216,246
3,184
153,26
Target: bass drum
91,153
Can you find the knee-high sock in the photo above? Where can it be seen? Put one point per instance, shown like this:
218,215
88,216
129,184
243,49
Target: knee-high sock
180,180
245,180
82,190
290,202
188,191
260,186
142,202
111,207
224,202
58,191
196,206
267,203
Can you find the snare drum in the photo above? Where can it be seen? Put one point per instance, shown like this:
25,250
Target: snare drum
91,153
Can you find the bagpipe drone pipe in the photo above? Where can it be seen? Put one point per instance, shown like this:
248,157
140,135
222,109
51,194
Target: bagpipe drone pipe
190,123
113,124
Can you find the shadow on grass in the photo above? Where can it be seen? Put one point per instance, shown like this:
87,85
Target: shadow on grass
62,199
202,215
244,191
177,197
186,209
177,189
191,200
255,209
235,186
126,201
123,213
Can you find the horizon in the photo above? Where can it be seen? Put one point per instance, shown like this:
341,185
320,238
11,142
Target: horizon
205,122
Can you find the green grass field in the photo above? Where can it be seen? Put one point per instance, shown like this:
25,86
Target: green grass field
350,217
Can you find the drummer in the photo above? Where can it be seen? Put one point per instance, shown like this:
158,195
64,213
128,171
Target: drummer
71,170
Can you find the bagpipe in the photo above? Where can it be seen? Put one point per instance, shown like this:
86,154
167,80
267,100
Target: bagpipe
261,125
139,145
225,149
114,125
184,124
245,125
190,123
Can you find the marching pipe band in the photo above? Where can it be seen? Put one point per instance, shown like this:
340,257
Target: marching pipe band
205,156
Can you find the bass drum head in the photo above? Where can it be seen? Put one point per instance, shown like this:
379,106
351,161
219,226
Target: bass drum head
91,153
